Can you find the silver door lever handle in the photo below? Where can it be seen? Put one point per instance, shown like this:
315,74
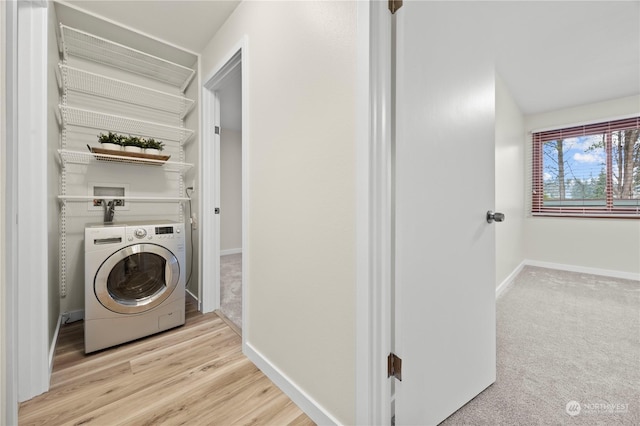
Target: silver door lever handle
497,217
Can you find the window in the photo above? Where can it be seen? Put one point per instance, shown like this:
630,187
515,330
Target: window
591,170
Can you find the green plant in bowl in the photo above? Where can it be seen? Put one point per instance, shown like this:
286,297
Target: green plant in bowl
133,144
153,146
111,141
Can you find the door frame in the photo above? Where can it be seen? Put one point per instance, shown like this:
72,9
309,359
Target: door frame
374,231
209,243
27,287
8,259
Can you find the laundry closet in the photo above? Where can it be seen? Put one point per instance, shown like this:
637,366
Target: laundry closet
104,78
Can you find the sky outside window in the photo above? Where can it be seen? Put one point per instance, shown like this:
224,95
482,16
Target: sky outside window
575,169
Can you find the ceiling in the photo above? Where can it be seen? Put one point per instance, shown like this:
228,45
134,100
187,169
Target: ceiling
560,54
551,55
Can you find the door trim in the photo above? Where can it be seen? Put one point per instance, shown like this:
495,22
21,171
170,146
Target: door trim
30,285
374,213
209,243
8,178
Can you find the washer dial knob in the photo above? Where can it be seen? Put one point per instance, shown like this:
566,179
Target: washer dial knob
140,233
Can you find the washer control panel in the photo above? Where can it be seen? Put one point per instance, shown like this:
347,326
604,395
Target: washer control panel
167,232
153,232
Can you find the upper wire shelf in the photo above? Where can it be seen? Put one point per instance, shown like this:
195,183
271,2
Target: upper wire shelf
82,44
81,157
111,88
65,198
115,123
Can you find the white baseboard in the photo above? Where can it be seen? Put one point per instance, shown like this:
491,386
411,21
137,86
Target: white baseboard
584,270
193,298
504,285
72,316
318,414
64,318
509,280
230,251
54,342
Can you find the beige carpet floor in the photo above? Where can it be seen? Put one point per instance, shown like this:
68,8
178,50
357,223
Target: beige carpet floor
231,287
568,353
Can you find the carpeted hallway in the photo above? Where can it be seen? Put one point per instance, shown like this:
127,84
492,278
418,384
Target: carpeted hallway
231,287
563,337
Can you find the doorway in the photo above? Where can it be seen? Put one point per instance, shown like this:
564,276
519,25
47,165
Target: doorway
230,96
224,207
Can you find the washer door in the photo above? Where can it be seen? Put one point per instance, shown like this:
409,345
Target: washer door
137,278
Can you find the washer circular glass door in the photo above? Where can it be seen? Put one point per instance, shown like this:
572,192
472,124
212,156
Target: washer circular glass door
137,278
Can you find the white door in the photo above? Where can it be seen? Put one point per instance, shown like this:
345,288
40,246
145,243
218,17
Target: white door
445,249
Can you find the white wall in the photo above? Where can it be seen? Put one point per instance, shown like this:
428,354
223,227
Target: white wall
301,62
606,244
510,138
230,190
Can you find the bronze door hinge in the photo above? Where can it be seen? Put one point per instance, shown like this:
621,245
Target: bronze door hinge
394,366
394,5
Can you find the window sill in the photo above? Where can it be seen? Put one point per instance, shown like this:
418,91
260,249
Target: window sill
588,214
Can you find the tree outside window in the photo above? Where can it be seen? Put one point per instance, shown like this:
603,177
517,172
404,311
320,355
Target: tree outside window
589,170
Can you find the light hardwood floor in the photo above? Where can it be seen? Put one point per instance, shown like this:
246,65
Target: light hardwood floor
193,375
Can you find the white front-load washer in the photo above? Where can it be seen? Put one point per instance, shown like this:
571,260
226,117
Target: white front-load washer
134,281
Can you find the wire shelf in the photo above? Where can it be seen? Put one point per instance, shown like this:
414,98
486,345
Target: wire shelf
111,88
80,157
115,123
81,198
81,44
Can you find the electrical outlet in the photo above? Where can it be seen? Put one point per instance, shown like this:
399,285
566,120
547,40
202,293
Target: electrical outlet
193,185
